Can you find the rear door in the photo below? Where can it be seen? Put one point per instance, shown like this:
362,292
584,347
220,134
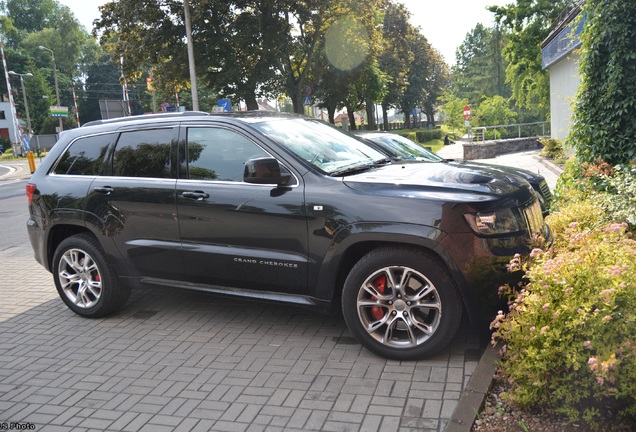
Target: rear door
135,202
236,234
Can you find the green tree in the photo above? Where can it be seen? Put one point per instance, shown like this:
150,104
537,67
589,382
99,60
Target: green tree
453,110
396,55
34,23
494,111
479,70
604,123
529,23
421,77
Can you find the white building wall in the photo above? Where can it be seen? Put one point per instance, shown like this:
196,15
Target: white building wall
8,122
564,83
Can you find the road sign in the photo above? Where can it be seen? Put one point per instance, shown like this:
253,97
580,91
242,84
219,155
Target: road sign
58,111
26,142
307,100
224,104
467,112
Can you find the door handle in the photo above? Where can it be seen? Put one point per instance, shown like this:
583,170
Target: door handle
106,190
196,195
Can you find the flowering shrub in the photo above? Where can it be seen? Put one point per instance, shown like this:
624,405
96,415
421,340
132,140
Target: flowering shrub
621,185
569,340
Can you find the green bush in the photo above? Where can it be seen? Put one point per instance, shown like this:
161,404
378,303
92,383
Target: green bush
5,144
410,135
621,199
552,148
569,340
428,135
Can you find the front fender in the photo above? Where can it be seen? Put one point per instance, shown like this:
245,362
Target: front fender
353,241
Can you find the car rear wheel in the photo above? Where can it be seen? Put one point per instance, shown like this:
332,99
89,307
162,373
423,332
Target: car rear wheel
401,303
84,280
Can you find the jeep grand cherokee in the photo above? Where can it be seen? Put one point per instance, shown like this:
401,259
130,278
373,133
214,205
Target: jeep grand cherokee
280,208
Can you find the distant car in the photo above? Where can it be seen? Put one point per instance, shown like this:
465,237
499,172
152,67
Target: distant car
400,148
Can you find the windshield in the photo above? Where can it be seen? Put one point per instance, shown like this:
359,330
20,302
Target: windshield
404,148
320,144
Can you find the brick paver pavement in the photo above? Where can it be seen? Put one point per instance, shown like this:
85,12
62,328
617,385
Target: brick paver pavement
186,361
181,361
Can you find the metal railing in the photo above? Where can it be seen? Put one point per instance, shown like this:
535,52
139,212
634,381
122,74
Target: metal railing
518,130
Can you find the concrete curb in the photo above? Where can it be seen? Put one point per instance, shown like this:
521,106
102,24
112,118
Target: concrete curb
549,164
473,396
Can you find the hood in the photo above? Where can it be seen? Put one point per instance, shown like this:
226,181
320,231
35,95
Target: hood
473,183
529,176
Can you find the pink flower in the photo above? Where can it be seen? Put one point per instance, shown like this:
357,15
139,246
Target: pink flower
588,345
607,318
535,252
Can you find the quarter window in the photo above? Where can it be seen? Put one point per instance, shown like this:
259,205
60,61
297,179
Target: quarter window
219,154
86,156
143,154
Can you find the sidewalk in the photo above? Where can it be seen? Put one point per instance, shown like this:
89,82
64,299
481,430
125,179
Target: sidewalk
184,361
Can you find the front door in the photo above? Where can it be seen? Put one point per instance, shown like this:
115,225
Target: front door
236,234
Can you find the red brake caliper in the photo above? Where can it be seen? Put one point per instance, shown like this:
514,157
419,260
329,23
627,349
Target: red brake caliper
379,284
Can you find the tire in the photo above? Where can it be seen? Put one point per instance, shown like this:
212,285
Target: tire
84,280
401,321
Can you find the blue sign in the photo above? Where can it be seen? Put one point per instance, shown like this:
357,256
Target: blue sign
307,100
26,142
224,104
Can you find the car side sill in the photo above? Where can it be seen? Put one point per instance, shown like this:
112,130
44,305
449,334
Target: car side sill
304,301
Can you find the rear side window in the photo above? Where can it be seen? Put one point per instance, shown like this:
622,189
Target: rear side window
143,153
86,156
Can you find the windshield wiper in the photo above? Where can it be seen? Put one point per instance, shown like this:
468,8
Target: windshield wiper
351,169
384,161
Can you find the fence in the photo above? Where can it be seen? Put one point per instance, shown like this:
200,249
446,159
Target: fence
519,130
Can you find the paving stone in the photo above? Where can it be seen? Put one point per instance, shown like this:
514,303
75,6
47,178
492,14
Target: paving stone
186,361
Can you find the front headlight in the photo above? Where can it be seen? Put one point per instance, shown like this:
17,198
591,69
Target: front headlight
496,222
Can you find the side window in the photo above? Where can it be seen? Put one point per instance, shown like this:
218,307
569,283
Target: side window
219,154
86,156
143,153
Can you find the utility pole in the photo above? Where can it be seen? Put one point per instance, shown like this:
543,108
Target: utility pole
26,104
193,73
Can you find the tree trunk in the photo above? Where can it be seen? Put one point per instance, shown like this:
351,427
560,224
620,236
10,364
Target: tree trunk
251,103
352,119
331,112
407,118
385,116
370,106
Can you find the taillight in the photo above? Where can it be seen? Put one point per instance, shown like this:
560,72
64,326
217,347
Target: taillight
30,189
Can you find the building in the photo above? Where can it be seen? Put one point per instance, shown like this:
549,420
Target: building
7,122
560,55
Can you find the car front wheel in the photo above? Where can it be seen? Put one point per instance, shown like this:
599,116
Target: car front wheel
401,304
83,278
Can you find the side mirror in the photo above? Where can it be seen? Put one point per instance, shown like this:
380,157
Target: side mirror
265,170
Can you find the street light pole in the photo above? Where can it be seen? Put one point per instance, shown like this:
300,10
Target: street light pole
26,104
57,90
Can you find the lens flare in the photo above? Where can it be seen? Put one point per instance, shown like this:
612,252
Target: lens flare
346,43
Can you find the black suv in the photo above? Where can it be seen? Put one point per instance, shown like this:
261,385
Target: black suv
281,208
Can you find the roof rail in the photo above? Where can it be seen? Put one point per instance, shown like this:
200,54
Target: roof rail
146,116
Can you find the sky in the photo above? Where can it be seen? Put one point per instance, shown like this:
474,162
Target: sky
443,22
